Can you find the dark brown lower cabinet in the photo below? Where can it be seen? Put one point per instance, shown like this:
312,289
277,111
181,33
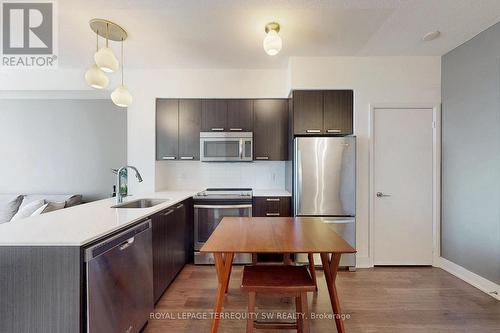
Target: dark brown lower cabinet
169,246
271,207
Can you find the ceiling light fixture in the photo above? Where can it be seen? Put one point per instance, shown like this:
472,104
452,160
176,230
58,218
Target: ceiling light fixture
105,58
94,76
272,42
106,61
121,96
431,36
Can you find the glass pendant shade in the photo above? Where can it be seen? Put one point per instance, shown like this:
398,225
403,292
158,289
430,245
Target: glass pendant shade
96,78
121,96
105,59
272,43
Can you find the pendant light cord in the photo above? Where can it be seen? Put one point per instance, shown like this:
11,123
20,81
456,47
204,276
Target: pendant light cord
122,62
107,34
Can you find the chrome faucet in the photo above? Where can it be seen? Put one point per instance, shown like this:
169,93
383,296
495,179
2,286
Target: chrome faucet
119,196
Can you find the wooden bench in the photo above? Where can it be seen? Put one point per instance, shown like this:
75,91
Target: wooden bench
280,280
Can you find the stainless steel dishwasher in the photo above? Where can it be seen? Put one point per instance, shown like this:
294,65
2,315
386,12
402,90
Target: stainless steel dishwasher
120,282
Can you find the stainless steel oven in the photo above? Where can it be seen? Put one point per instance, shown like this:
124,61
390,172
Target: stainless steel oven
226,146
210,207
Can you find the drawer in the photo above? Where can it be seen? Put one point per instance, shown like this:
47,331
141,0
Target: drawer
271,206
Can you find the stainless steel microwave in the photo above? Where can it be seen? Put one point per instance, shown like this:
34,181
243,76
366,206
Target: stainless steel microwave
226,146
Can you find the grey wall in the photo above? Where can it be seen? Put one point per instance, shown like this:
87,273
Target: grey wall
471,155
61,146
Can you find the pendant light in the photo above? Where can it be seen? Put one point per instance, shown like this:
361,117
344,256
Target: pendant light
105,58
121,96
272,42
94,76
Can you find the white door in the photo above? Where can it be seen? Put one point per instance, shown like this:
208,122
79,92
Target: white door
403,183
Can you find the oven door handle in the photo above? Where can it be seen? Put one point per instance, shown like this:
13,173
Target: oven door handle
222,206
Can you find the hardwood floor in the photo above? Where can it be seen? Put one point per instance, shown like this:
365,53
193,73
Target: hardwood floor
385,299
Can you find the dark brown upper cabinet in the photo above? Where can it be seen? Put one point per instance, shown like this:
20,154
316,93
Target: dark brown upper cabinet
167,129
307,112
322,112
338,112
239,115
214,115
270,129
189,129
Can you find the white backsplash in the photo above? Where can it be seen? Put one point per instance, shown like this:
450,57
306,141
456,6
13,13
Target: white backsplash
188,175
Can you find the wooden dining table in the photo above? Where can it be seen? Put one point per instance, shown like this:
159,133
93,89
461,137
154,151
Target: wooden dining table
275,235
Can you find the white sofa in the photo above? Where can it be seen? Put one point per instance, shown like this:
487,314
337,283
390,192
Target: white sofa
17,206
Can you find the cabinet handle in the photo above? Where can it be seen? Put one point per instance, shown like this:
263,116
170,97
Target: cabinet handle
218,129
333,131
272,214
262,157
170,211
313,131
168,158
273,199
180,206
187,158
236,129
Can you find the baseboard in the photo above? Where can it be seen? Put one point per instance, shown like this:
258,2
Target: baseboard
363,262
471,278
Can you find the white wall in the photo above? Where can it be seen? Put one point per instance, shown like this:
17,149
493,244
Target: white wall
375,80
61,146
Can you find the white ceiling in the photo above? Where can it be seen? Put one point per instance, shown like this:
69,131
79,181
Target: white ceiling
229,33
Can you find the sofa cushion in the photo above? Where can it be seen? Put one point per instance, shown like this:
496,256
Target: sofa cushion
68,199
9,205
28,209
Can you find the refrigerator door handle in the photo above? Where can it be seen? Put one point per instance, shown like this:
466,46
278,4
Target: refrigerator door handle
298,180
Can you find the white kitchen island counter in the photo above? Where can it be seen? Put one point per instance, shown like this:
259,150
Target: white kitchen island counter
82,224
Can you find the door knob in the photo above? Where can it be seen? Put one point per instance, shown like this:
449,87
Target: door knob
381,195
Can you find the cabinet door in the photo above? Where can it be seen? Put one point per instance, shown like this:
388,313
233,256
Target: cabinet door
213,115
338,111
189,129
240,115
307,112
270,132
167,129
161,253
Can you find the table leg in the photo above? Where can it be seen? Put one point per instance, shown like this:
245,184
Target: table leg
223,264
330,268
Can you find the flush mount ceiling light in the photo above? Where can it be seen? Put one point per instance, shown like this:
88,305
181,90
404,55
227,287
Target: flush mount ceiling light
121,96
272,42
431,36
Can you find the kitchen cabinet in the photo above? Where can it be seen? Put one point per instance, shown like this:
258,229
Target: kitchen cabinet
189,129
214,115
167,129
307,112
271,206
322,112
338,111
239,115
169,246
270,129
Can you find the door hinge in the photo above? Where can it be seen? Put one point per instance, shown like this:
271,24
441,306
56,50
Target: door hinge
433,124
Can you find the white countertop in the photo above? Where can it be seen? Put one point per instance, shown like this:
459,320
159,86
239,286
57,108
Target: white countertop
82,224
271,193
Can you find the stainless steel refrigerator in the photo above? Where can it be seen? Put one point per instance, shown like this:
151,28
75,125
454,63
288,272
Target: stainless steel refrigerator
325,186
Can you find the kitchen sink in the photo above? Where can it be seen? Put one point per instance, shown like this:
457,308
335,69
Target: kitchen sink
140,203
